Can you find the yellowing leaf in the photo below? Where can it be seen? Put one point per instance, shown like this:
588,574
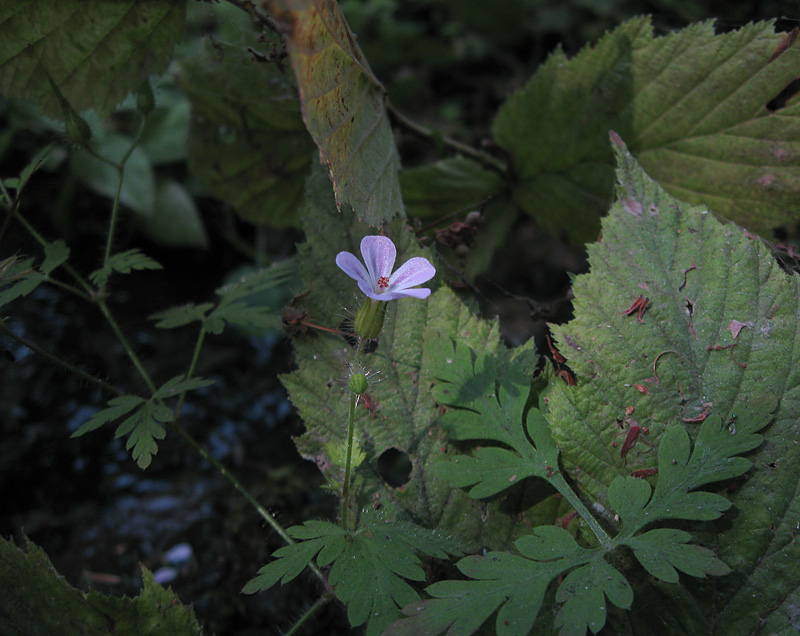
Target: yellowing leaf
343,108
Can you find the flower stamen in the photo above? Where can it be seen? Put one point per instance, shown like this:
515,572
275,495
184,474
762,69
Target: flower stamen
383,282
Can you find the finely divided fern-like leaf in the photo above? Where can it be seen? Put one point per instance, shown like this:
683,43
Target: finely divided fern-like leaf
145,418
370,568
123,263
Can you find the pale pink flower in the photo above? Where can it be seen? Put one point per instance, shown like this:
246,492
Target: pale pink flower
376,280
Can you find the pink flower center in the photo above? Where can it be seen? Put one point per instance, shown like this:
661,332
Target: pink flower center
383,283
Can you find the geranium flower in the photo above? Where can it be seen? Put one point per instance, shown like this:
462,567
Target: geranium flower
376,280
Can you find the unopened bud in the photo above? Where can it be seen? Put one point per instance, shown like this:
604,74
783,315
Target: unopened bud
358,383
369,319
77,129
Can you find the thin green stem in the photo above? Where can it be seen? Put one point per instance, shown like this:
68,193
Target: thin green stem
192,366
124,341
466,150
63,363
560,484
348,461
320,603
273,523
345,507
112,225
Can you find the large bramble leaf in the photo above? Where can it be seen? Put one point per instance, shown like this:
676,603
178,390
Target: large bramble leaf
37,600
405,415
343,108
247,140
708,367
695,108
95,51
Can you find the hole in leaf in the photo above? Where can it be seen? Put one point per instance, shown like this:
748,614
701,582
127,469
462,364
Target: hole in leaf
395,466
780,100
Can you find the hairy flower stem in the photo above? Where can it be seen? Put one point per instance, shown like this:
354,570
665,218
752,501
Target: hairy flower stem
63,363
320,603
350,435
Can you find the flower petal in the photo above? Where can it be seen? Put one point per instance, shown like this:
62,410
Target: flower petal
416,292
414,271
353,267
379,253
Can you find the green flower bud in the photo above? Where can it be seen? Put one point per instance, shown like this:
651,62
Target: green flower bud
77,129
358,383
369,319
145,100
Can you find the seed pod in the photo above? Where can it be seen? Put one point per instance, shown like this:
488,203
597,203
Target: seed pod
358,383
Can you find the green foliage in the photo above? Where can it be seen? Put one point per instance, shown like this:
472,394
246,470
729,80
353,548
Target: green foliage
370,566
247,139
37,600
95,51
343,108
138,190
406,414
144,419
242,303
701,128
448,185
123,263
20,278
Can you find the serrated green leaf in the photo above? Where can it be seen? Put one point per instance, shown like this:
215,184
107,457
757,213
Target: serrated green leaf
662,550
124,263
39,601
343,108
247,140
715,364
180,316
95,51
117,407
320,539
700,129
143,429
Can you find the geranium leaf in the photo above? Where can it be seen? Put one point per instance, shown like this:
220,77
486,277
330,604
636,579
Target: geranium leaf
343,108
704,129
